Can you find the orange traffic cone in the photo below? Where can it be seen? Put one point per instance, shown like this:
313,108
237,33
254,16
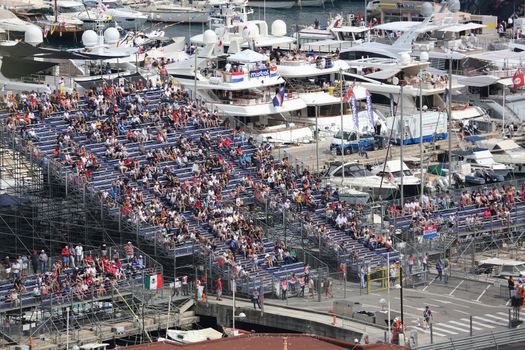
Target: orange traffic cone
334,320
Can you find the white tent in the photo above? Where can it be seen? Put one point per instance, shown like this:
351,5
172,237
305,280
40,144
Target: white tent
247,56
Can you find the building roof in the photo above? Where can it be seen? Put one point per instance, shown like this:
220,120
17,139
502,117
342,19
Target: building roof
261,341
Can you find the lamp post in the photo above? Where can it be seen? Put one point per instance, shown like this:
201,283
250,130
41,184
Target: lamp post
421,133
242,314
342,129
317,136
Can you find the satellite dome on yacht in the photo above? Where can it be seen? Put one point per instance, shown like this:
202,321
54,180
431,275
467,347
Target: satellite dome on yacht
33,36
111,36
89,38
278,28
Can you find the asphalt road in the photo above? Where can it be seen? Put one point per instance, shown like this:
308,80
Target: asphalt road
451,303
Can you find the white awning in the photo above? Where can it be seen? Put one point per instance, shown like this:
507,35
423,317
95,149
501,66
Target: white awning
383,74
501,57
247,56
350,29
461,27
405,26
478,81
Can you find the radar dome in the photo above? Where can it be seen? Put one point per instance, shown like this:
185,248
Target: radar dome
278,28
424,56
427,9
89,38
33,35
404,58
454,5
250,31
209,37
111,36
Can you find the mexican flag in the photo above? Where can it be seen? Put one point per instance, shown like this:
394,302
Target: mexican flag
153,282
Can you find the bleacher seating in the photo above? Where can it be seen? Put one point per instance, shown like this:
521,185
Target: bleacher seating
102,179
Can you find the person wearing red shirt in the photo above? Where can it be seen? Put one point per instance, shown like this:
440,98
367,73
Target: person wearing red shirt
65,256
219,288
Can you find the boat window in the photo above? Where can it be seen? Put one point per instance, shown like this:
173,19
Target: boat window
111,5
507,269
398,173
357,171
338,173
346,135
70,9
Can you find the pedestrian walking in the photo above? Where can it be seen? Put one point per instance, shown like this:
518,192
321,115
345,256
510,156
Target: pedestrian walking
427,316
255,299
284,288
424,262
410,262
439,269
311,286
362,276
219,288
511,285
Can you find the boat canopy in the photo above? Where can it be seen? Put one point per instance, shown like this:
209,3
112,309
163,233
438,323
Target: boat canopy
247,56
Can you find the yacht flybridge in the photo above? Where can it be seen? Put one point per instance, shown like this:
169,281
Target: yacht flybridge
316,80
242,85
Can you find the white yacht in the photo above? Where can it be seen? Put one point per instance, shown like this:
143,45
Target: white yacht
482,159
315,79
392,81
71,10
358,177
14,26
336,30
310,3
272,4
192,336
172,11
123,16
241,85
508,152
248,33
391,172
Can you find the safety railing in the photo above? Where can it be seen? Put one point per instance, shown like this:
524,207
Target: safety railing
490,340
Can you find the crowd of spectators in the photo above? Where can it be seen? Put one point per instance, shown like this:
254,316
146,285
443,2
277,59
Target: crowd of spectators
74,274
490,203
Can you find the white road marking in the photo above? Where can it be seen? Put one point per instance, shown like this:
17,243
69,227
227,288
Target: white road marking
462,312
442,301
499,323
460,283
482,293
468,325
442,330
466,330
478,323
428,285
426,331
504,319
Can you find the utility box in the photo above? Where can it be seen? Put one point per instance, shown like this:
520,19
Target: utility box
346,307
381,317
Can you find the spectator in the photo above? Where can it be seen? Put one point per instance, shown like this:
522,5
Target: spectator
42,258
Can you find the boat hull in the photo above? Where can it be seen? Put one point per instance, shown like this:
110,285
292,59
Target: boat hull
272,4
177,16
310,3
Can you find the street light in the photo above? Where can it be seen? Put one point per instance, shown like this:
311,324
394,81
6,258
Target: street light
242,314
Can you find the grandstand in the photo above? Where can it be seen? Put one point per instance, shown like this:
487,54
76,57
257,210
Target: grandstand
38,139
